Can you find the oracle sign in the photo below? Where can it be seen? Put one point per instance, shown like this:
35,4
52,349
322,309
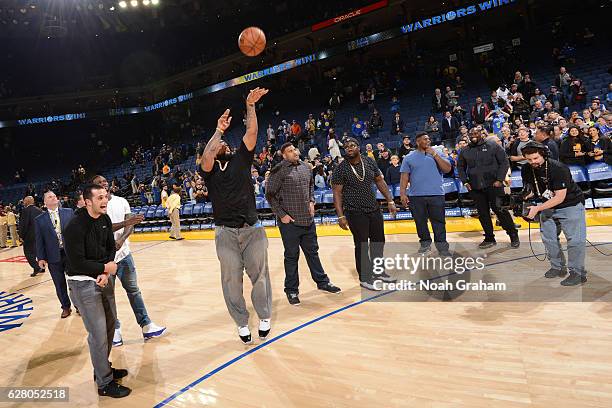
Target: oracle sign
349,15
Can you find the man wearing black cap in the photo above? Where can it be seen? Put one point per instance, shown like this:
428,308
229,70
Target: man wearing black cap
543,134
483,167
240,239
357,209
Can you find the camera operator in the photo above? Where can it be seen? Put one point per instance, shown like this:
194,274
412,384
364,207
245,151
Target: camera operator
483,166
560,204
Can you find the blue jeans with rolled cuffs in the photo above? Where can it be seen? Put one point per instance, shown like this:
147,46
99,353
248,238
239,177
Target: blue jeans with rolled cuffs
572,222
239,250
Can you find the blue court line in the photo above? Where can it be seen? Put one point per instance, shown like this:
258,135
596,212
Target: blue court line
285,334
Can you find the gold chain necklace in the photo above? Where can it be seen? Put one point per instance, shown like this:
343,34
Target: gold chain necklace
221,166
362,171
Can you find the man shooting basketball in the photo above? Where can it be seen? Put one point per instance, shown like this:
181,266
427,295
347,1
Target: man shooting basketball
240,240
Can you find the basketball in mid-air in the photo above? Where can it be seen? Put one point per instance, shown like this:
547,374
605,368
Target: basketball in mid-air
252,41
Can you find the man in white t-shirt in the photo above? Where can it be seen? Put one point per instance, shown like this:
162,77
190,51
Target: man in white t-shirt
119,210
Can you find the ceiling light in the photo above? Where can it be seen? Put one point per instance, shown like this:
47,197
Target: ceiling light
155,2
112,8
122,4
145,2
134,3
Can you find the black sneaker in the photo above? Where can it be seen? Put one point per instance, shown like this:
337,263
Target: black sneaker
114,390
424,250
329,287
515,241
555,273
118,373
293,298
487,244
573,279
264,328
385,278
369,285
245,335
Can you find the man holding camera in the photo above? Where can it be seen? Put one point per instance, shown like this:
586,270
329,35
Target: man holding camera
559,202
483,167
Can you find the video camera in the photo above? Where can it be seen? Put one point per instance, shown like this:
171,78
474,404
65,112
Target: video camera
518,204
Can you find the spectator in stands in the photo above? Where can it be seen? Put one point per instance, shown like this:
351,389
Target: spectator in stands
333,146
537,112
563,81
392,175
574,149
310,126
201,192
376,122
357,128
596,110
604,124
395,105
363,102
450,126
313,153
515,150
601,148
579,93
452,99
319,178
405,148
271,134
494,101
369,152
527,87
537,96
3,227
482,168
384,161
496,120
479,112
438,102
143,195
380,147
397,125
335,101
164,195
296,130
557,99
432,127
543,135
173,204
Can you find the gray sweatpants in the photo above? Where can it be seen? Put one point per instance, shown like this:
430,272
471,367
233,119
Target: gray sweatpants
240,249
99,312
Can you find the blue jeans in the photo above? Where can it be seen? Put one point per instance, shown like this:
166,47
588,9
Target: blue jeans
126,272
572,221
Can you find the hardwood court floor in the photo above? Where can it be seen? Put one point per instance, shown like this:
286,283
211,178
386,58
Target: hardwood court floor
375,354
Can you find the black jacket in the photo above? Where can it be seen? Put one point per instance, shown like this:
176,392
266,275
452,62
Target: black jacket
606,146
482,164
89,244
566,150
26,224
553,148
450,132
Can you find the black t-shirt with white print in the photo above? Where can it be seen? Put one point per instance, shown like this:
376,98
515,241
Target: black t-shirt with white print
559,178
357,196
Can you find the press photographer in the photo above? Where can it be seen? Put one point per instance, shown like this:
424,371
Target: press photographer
559,202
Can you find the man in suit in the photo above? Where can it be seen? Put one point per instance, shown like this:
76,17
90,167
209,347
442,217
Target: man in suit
26,231
450,126
49,231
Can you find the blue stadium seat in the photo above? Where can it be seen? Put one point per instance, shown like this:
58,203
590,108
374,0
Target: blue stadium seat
208,208
379,195
328,197
150,214
187,210
579,173
259,202
449,185
599,171
198,209
318,194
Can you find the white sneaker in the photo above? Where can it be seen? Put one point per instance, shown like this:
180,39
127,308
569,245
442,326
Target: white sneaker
245,334
264,328
117,339
152,330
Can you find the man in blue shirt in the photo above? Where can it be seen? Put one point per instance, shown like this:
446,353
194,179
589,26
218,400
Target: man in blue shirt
423,168
357,127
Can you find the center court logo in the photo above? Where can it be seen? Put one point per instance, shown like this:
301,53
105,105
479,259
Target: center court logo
413,264
14,309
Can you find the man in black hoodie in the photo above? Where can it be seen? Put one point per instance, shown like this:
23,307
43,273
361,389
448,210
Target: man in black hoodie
90,250
483,167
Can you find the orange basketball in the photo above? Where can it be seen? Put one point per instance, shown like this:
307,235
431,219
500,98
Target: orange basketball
252,41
